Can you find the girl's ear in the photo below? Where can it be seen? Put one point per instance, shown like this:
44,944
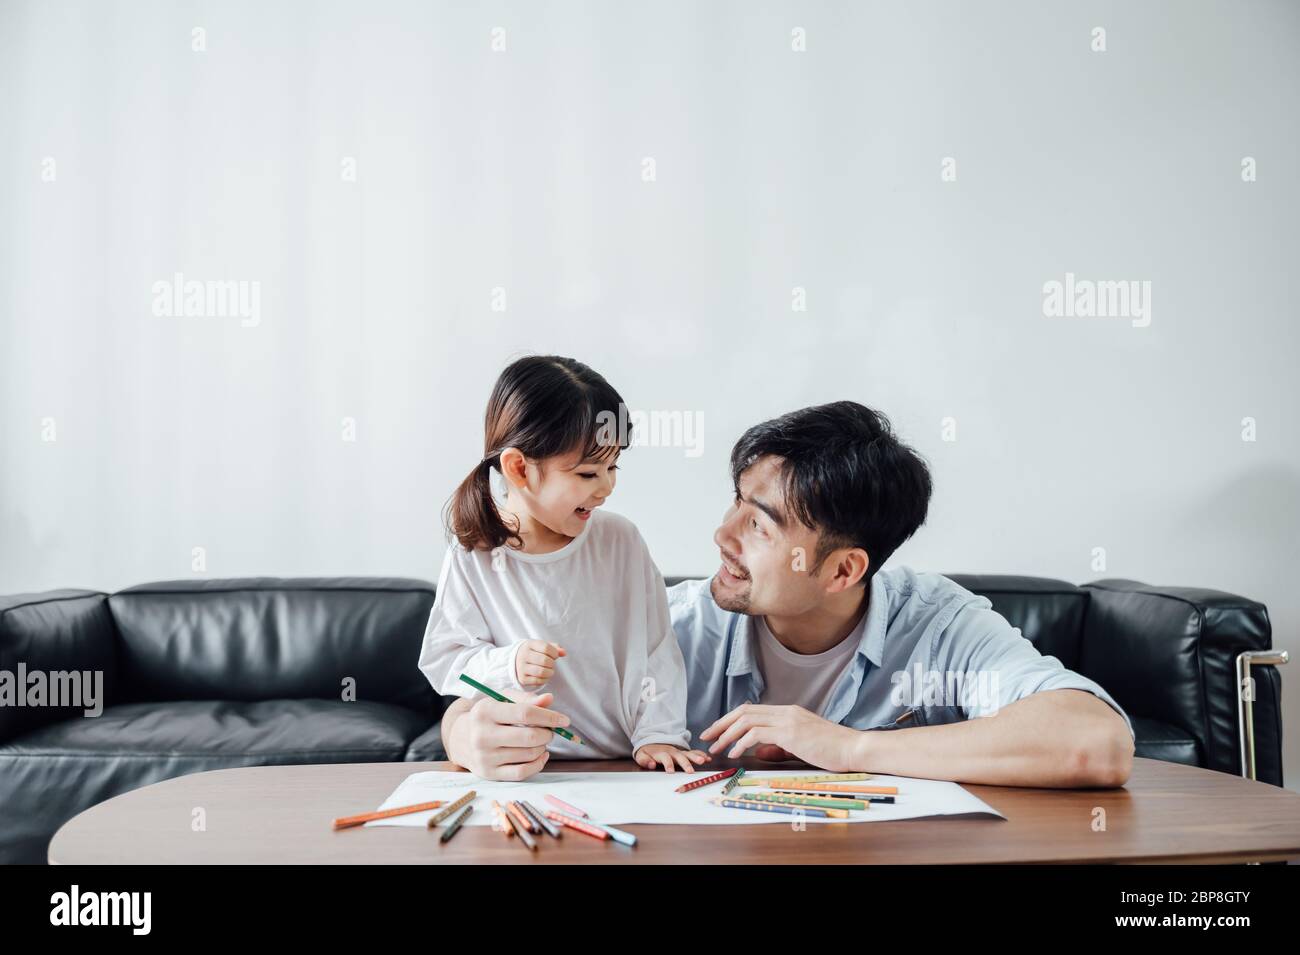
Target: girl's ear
514,468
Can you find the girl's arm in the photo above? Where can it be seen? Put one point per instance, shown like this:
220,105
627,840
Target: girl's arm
661,698
457,639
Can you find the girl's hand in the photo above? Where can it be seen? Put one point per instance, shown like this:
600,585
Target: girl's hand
535,662
655,755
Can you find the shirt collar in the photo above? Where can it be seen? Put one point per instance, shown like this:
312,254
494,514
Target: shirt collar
871,645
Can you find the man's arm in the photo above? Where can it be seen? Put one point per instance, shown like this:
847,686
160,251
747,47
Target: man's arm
449,718
1052,739
1057,738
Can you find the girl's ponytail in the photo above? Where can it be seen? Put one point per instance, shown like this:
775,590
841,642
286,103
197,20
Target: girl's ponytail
472,515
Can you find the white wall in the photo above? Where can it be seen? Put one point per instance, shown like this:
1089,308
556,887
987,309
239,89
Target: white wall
523,169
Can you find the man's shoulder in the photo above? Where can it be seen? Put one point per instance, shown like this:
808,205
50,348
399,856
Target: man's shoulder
693,599
699,623
924,594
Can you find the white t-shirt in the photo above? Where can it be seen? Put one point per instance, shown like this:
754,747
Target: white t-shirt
802,679
622,682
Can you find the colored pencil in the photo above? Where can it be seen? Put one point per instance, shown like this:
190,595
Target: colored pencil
818,795
347,822
566,808
716,777
456,823
550,828
731,783
439,817
522,832
505,699
789,799
857,789
788,810
502,822
584,827
823,778
618,835
512,807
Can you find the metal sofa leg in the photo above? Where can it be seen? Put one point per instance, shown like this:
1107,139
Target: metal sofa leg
1245,699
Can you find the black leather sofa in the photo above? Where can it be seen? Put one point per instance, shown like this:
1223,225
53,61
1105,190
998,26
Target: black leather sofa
210,674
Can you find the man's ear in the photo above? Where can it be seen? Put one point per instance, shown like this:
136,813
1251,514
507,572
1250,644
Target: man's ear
514,468
848,566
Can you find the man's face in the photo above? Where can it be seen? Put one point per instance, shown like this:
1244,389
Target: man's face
767,554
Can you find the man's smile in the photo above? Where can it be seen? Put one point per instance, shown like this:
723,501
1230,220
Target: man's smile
732,572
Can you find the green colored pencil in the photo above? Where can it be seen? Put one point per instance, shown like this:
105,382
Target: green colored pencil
793,800
731,783
505,699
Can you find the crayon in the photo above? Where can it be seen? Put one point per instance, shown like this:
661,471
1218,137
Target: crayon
790,799
857,789
347,822
731,783
823,778
581,826
456,823
440,816
566,808
550,828
789,810
696,784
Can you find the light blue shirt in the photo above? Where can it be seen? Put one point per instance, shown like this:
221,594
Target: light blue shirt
930,652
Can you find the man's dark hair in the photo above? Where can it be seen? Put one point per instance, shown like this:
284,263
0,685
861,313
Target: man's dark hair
846,475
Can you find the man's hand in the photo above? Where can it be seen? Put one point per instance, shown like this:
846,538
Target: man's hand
535,662
784,732
654,755
503,741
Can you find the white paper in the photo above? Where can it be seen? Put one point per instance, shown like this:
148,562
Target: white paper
648,797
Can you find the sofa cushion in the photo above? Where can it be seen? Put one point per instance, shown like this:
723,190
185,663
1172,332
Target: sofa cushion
49,775
1157,740
427,747
274,731
269,638
1049,613
59,633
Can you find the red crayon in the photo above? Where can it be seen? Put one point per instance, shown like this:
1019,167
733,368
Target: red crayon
578,824
715,778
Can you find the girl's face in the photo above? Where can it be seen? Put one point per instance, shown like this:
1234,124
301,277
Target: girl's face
561,492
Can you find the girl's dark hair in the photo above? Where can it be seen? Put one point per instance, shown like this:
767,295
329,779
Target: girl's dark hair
544,405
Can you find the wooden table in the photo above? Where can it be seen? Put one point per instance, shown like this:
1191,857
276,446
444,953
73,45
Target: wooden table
281,814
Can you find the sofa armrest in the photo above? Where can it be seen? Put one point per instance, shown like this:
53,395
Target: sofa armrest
1169,653
55,647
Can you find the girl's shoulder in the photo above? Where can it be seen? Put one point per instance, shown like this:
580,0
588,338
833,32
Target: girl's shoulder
615,530
459,559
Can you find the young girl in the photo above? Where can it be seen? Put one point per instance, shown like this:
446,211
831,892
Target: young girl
549,590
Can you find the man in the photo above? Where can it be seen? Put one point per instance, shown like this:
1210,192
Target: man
801,647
